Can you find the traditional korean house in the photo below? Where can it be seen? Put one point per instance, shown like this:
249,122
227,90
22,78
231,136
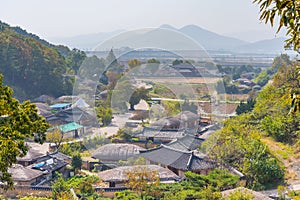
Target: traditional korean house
34,152
188,142
50,164
111,154
118,176
178,161
25,176
70,130
74,114
160,136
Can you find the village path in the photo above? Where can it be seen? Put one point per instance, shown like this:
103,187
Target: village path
119,121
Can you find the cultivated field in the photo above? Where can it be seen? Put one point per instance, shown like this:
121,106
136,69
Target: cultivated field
191,80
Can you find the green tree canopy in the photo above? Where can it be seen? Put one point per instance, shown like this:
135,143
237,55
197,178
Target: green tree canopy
76,161
134,63
288,12
18,121
138,94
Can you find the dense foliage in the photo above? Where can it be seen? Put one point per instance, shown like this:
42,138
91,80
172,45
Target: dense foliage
244,107
82,185
194,187
288,13
239,143
17,122
34,67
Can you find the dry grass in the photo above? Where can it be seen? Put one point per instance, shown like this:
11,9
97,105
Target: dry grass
286,154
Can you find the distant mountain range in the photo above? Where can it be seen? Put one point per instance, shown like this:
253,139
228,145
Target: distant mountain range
207,39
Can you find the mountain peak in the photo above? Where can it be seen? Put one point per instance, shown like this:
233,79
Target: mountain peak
167,26
192,27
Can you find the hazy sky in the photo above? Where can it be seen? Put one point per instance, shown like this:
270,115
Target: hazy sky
51,18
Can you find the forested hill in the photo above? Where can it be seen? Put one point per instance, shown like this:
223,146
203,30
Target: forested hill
32,66
264,142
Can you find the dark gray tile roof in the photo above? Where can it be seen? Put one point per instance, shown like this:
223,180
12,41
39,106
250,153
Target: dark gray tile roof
188,142
49,163
183,160
119,174
116,152
69,115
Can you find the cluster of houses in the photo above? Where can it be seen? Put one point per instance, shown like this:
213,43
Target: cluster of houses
40,164
246,81
174,140
175,152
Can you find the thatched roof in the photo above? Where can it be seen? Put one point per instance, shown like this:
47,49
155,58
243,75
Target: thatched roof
186,116
81,103
164,135
166,123
23,174
43,109
119,174
256,195
35,151
66,99
44,99
116,152
175,122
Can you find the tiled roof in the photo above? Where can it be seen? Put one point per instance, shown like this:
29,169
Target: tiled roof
188,142
74,114
116,152
119,174
49,163
183,160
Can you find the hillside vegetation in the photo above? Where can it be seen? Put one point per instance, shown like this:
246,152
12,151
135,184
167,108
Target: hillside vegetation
264,142
32,66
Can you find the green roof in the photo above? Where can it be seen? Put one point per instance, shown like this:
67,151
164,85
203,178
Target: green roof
67,127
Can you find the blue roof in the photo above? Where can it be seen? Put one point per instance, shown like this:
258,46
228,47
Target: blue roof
60,105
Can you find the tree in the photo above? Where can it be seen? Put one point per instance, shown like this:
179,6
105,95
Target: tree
134,63
18,121
76,161
138,94
245,107
288,12
240,195
153,60
140,178
60,188
56,137
112,63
